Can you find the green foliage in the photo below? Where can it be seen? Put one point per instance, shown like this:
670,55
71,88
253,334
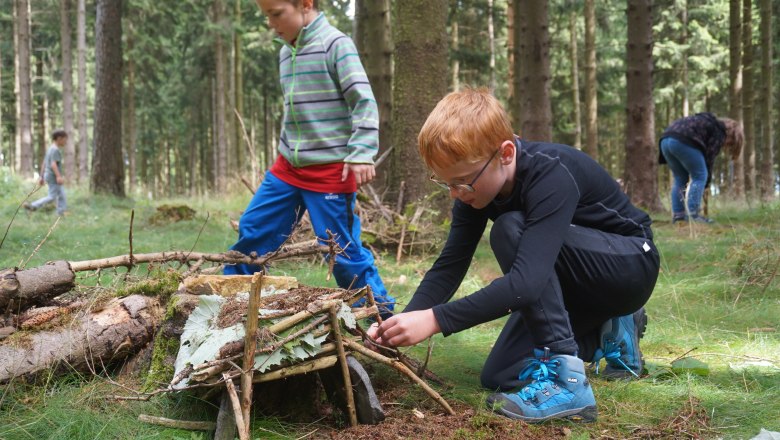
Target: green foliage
161,283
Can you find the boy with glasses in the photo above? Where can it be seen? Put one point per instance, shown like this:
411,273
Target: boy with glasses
578,260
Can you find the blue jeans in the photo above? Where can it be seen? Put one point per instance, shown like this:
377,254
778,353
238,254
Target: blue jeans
275,210
56,193
687,163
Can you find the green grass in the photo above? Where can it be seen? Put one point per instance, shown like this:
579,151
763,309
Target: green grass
716,300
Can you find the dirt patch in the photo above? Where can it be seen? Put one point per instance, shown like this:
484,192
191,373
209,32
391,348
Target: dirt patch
167,214
691,422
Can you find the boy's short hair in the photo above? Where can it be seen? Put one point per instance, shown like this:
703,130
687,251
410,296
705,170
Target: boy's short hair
466,125
56,134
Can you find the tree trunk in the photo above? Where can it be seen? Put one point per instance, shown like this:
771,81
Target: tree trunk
107,163
591,83
510,58
575,80
21,289
534,54
376,51
747,99
81,44
492,45
455,45
735,92
420,57
122,327
67,87
41,116
24,148
518,66
220,78
767,136
684,67
641,179
131,130
238,92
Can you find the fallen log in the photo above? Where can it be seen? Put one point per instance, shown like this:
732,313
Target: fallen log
99,338
21,289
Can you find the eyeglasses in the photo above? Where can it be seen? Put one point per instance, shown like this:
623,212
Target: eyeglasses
463,187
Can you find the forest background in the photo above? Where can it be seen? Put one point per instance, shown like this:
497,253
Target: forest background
182,98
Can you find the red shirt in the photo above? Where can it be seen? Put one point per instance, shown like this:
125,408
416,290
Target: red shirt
319,178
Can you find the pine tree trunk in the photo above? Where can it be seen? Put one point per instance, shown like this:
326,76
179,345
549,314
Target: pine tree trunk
81,48
67,88
220,105
534,54
420,57
684,67
107,165
748,99
455,45
575,80
767,136
591,83
641,166
492,45
519,67
41,116
24,150
376,51
510,58
238,90
735,92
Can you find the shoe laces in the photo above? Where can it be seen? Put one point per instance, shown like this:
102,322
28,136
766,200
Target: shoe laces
611,352
542,371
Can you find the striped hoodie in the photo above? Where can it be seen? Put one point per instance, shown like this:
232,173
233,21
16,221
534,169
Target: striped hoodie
330,114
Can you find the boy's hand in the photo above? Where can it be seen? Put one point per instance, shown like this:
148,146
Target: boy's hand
363,172
60,180
40,181
405,329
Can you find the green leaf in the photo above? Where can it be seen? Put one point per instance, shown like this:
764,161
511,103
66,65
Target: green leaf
690,365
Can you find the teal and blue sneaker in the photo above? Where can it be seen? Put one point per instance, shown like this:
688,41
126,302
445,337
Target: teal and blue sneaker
558,389
619,345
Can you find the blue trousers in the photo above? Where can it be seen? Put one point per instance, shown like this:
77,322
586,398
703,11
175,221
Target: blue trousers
598,276
56,194
275,210
687,163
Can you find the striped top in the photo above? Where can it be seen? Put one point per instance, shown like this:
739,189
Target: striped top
330,114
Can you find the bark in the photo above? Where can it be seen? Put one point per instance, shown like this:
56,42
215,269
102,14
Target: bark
749,157
131,133
40,122
99,338
67,88
531,25
591,83
420,58
492,44
684,67
24,146
641,167
107,163
376,51
21,289
455,45
767,136
221,79
575,80
238,92
510,58
735,91
81,31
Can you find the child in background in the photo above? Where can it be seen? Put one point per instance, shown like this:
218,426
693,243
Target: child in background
51,173
578,260
327,146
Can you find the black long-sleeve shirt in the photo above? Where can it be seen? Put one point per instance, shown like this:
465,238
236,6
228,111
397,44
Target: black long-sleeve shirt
555,186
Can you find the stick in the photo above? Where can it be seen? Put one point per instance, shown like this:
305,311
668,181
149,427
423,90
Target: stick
178,424
398,365
336,329
250,345
41,243
400,250
130,239
302,368
247,185
243,431
249,147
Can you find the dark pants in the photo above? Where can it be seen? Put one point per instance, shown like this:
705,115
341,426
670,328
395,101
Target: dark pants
598,276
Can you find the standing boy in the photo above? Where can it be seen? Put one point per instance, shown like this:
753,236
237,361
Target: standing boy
578,261
51,173
327,146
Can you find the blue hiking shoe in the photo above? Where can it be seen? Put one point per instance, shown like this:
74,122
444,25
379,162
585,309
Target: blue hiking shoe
558,389
619,345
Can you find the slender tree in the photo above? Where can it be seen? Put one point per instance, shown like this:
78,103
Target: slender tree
220,105
767,134
130,111
455,43
575,81
238,88
81,48
748,98
24,146
735,90
591,83
67,87
420,57
533,57
641,153
492,45
107,162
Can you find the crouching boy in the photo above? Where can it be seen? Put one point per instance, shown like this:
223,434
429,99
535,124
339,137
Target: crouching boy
578,262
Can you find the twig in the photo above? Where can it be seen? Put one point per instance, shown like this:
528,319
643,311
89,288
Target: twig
399,203
41,243
203,226
250,345
243,427
398,365
400,250
382,157
17,212
247,184
130,239
684,354
249,147
424,365
178,424
772,277
336,329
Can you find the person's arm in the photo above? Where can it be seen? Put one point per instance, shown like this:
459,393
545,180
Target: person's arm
57,174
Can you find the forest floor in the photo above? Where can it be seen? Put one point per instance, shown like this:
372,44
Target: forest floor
717,301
